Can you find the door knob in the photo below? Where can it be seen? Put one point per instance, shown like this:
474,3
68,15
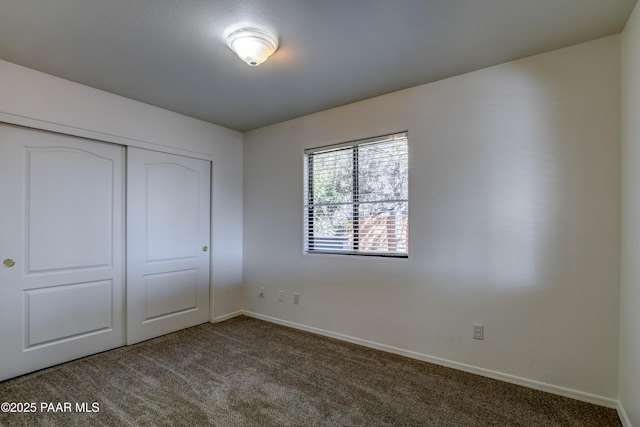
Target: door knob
204,249
8,263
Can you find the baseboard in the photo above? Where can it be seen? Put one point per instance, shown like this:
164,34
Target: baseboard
537,385
624,418
227,316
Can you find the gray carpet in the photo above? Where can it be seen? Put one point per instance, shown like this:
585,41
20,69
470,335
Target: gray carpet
246,372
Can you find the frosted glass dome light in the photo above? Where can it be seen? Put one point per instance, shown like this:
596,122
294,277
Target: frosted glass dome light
253,46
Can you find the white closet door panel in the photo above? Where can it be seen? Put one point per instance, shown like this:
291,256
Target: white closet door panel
87,185
171,292
173,191
168,228
59,312
62,225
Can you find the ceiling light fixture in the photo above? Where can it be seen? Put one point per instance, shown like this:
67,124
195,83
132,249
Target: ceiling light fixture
253,46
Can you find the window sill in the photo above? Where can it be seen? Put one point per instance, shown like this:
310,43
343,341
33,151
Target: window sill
357,255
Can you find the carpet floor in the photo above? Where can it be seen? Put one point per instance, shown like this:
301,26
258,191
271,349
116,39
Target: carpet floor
247,372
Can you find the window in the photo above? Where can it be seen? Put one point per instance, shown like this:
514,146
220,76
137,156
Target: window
356,197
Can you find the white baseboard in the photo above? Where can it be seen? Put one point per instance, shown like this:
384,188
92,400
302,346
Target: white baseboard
537,385
227,316
624,418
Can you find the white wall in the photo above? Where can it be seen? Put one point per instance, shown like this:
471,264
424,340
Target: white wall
630,283
514,223
32,98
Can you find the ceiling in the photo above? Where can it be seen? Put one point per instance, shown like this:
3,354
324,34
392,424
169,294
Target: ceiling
172,53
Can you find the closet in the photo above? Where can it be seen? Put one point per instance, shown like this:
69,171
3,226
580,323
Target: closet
168,217
101,245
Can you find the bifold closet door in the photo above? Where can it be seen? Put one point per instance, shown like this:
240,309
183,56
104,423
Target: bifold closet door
61,248
168,228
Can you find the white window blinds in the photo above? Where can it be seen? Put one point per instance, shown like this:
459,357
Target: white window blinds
356,197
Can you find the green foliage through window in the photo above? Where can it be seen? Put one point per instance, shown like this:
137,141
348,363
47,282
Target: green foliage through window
356,197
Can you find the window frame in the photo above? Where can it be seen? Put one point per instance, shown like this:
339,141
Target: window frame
308,208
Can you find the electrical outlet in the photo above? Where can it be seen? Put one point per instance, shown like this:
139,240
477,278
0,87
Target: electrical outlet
280,295
296,298
261,292
478,331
